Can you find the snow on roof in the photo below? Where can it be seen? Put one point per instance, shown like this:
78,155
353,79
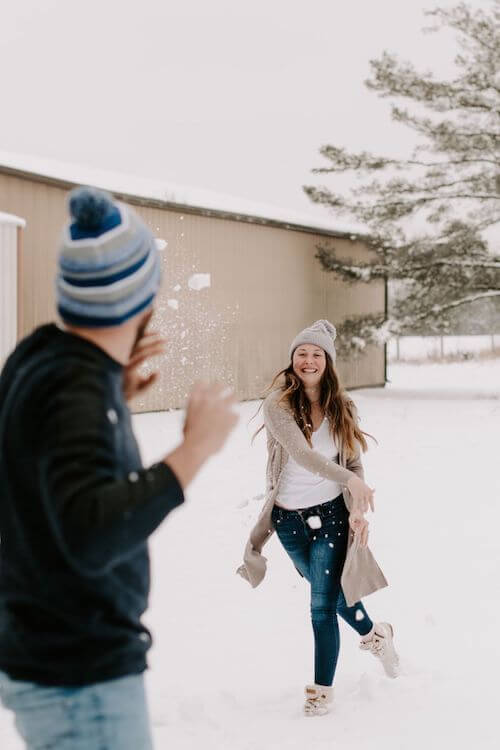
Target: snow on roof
11,219
162,190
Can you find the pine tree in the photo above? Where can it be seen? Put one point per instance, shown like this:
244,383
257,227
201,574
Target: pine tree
428,217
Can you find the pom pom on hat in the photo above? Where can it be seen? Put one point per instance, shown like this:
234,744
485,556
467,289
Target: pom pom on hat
93,211
89,206
322,333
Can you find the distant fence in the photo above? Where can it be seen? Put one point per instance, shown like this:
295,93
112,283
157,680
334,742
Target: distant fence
439,347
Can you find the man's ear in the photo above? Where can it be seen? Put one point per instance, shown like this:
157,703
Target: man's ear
142,324
145,320
147,317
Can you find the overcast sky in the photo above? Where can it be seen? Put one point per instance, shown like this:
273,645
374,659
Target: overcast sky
230,96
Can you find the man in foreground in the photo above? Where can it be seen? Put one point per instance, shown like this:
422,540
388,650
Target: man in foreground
76,505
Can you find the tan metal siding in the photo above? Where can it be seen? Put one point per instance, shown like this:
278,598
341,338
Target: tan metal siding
44,209
265,286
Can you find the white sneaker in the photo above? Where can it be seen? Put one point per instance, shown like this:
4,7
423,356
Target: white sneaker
318,699
381,645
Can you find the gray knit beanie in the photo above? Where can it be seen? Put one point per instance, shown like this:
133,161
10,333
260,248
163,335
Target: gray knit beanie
322,333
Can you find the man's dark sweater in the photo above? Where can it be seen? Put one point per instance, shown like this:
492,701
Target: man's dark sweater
76,510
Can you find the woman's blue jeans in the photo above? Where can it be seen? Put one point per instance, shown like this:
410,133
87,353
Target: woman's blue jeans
108,715
319,555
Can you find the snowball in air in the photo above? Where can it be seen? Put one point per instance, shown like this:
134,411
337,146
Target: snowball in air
314,522
199,281
160,244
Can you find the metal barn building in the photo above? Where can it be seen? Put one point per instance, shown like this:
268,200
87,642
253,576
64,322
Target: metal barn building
264,282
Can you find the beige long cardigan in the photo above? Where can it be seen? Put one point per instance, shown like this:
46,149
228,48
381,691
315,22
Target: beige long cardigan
361,574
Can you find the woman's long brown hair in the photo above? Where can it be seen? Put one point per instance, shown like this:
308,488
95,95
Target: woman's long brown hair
334,402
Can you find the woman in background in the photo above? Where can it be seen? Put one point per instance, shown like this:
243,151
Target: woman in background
316,501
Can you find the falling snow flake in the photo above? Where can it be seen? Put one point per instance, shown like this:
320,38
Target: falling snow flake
173,303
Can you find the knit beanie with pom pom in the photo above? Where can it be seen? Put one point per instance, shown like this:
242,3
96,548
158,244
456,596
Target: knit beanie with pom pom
321,333
109,265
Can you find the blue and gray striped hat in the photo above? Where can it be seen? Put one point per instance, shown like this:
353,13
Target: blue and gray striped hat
109,265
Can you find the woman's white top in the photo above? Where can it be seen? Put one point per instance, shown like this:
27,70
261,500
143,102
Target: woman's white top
300,488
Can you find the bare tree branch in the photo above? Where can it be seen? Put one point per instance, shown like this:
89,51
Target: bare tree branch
437,309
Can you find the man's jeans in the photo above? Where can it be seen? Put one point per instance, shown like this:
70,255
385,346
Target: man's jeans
319,554
108,715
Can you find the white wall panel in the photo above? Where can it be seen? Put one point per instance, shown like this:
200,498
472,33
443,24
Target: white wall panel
8,288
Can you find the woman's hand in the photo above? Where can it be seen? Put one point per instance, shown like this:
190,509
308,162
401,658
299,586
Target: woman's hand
362,494
359,525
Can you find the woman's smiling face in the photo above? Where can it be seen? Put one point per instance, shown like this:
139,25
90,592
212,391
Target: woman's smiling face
309,363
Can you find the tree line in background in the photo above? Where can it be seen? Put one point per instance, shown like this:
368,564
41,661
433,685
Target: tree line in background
429,216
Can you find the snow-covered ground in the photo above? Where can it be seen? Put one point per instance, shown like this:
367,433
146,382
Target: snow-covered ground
230,663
